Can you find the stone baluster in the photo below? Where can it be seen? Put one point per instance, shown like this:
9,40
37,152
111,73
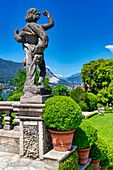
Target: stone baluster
8,120
1,119
17,121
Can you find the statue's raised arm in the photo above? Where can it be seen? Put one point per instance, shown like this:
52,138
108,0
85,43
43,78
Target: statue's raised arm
50,23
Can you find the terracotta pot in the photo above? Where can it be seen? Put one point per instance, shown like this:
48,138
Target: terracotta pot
95,164
103,168
83,155
62,140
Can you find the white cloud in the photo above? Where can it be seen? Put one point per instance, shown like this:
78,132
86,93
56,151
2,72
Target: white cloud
110,47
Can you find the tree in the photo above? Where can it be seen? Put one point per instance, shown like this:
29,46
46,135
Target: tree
1,96
60,90
97,74
19,83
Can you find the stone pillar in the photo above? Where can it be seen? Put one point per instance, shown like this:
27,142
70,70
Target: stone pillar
35,139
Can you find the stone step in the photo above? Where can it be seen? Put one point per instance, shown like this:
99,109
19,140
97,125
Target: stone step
53,158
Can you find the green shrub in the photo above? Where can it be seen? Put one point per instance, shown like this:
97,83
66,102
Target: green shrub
99,150
83,105
91,115
90,167
62,113
70,163
15,96
77,94
110,153
99,105
85,135
91,101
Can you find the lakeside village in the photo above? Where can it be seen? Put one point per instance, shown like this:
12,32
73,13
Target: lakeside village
6,88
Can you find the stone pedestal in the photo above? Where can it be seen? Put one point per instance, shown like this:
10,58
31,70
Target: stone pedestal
38,99
35,139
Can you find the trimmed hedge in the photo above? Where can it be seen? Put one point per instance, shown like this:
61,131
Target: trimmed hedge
85,135
91,115
62,113
90,167
70,163
91,101
83,105
99,150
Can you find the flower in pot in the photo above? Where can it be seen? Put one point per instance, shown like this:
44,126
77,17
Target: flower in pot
99,152
84,137
62,115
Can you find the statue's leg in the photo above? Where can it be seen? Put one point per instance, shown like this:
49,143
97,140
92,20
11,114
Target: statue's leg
42,72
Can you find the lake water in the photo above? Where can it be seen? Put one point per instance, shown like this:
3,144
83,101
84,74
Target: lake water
5,95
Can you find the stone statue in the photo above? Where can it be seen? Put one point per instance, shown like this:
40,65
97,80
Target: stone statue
34,40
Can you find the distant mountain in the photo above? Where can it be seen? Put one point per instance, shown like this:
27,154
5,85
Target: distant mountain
8,70
75,79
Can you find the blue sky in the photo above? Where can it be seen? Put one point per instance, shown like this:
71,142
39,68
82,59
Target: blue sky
82,30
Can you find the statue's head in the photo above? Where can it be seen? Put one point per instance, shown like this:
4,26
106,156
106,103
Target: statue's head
32,15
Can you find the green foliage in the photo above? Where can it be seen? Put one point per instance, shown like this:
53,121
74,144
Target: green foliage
60,90
90,167
1,96
83,105
77,94
91,101
19,83
15,96
99,105
97,74
99,151
91,115
70,163
62,113
85,135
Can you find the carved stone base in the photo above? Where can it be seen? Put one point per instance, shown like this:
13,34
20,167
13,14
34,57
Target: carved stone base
38,99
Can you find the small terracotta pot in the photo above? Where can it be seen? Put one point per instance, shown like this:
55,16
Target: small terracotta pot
62,140
83,155
95,164
103,168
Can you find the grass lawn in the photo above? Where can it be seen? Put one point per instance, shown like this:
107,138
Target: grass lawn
104,124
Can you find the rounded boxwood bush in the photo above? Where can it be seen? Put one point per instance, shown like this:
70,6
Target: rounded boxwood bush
91,101
99,150
85,135
62,113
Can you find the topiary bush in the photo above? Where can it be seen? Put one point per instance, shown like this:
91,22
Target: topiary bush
99,151
85,135
62,113
70,162
91,101
83,105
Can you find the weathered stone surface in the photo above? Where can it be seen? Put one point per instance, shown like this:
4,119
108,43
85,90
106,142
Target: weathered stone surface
34,99
34,40
9,141
31,141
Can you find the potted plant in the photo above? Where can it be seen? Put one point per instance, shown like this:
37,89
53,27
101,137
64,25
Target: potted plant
99,153
62,115
84,137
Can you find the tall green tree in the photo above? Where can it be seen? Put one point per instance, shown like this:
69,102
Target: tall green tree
97,74
19,81
60,90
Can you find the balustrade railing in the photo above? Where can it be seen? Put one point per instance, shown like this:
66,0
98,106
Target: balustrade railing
7,120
